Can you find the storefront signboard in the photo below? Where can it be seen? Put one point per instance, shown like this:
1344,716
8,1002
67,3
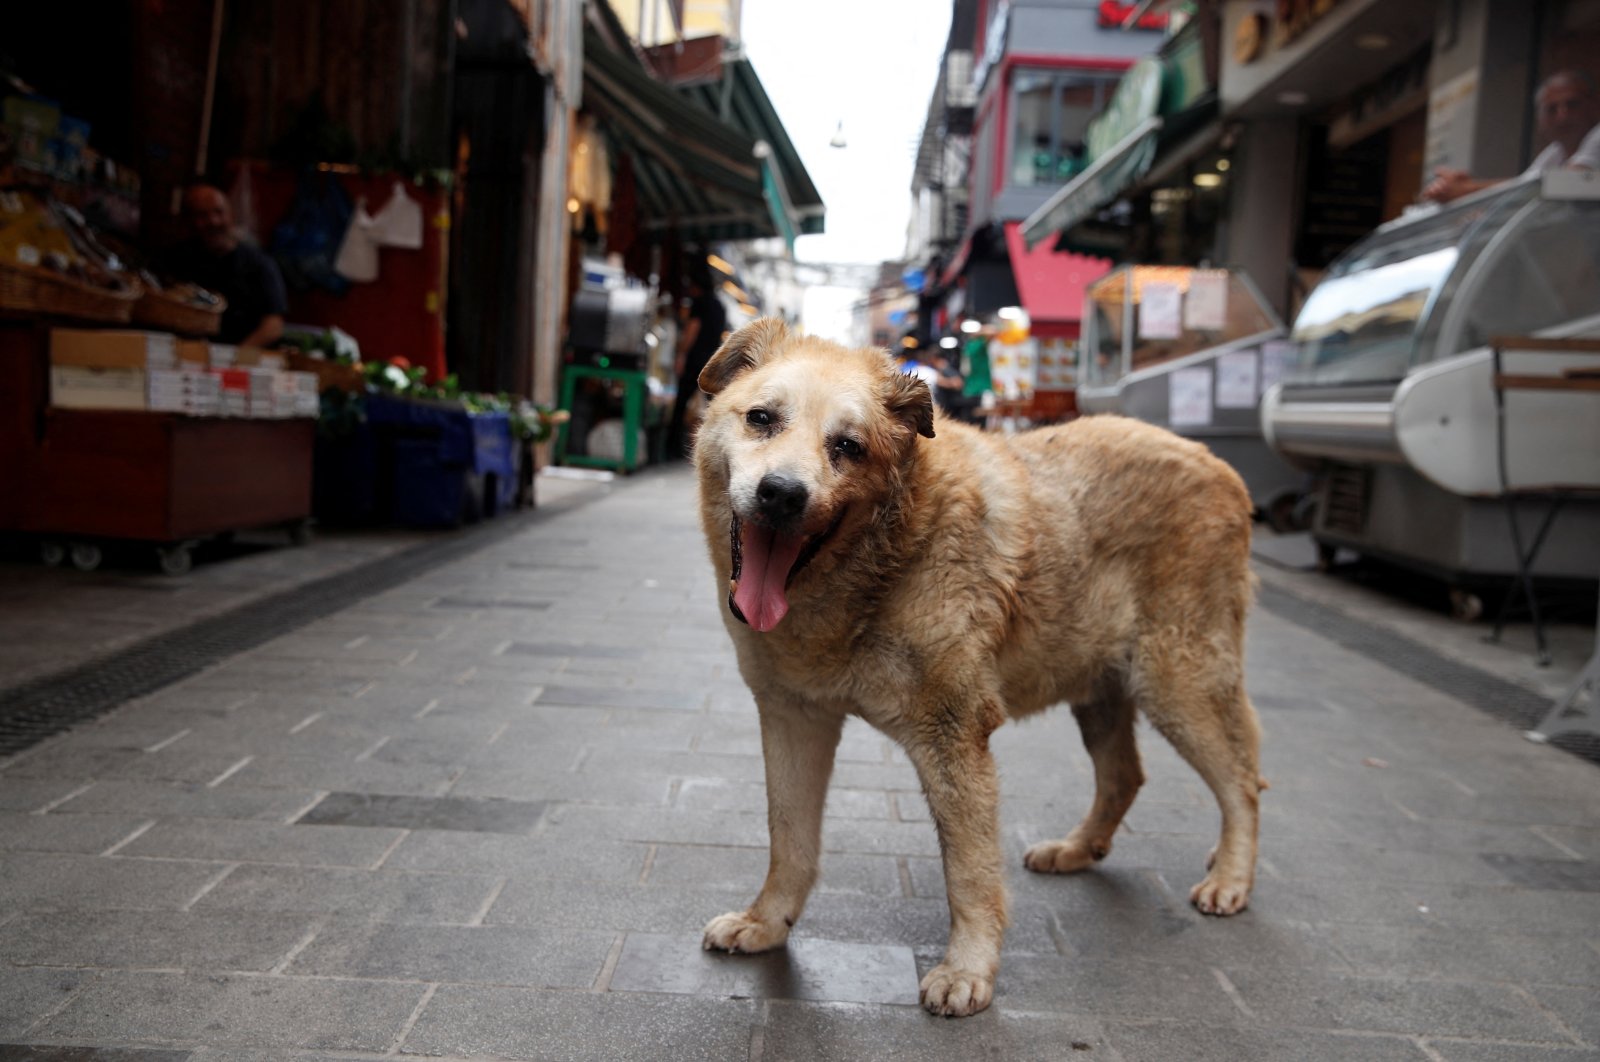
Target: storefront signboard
1237,379
1189,397
1206,308
1450,110
1160,311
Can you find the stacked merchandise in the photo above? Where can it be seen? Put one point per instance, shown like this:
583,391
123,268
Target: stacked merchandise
129,370
247,392
193,391
106,370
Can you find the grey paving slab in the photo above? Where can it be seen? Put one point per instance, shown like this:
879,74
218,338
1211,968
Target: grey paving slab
231,840
717,794
664,699
242,1010
196,940
376,895
1470,953
1578,1008
504,955
809,969
30,994
53,882
1128,988
735,868
32,794
470,853
35,1053
1512,908
522,783
187,800
1395,1004
483,815
1162,1042
844,1032
273,770
582,1027
1480,1051
64,833
66,759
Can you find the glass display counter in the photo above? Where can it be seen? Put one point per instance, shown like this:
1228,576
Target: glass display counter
1191,350
1390,397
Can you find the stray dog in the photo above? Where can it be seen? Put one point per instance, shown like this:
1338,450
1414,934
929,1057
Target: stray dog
936,581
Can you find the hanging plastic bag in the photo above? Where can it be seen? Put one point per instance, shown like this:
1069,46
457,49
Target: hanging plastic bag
358,253
399,222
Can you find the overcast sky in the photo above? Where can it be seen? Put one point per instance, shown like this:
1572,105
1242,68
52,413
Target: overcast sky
871,64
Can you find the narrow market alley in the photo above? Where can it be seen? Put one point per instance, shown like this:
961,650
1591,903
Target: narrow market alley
485,812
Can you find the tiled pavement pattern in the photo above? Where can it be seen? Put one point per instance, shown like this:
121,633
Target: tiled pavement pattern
485,814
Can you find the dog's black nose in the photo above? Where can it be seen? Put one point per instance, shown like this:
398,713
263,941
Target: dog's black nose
780,499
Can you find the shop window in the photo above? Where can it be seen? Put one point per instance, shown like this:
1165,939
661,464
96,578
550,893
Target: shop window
1050,116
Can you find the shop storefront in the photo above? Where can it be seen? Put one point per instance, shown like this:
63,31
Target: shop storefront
126,419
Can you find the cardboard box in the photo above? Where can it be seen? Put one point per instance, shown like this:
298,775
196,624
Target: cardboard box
112,349
224,356
194,353
84,387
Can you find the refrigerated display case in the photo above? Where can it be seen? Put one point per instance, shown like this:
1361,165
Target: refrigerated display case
1393,403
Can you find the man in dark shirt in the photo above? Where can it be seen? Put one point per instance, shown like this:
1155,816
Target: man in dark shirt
699,339
216,259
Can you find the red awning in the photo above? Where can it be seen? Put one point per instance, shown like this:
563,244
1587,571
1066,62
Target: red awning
1051,283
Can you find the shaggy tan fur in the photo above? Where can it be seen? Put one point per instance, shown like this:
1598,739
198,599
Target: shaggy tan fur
961,579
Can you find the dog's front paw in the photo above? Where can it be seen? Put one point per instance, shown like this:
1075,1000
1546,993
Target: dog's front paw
1219,894
738,932
956,993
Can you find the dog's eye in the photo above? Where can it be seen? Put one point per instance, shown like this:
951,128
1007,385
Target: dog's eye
849,447
759,417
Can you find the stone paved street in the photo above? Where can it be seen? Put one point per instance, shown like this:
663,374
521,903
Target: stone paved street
484,815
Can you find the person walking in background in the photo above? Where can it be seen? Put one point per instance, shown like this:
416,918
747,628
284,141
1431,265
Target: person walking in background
698,338
1567,108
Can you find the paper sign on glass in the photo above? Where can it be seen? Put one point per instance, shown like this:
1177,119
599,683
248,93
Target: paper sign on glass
1276,357
1236,380
1205,309
1160,311
1189,397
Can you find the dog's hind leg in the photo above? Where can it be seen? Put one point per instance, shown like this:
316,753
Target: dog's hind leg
797,744
1107,727
1214,728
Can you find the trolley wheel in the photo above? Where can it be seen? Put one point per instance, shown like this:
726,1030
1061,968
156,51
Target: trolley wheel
299,532
85,556
1283,514
1465,605
1327,556
174,560
52,553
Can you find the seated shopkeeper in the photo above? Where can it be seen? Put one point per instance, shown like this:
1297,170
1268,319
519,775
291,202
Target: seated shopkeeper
216,259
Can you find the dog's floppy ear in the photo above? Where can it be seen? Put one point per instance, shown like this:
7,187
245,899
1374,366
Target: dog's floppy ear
745,349
911,402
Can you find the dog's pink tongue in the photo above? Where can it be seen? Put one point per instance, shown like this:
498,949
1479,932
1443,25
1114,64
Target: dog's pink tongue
768,556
